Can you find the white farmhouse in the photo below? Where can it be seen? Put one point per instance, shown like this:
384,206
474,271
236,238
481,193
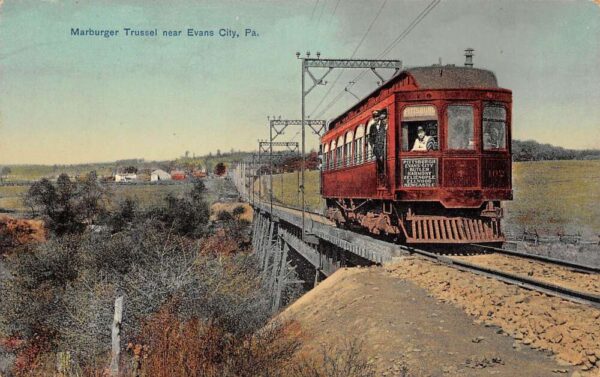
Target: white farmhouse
159,175
125,177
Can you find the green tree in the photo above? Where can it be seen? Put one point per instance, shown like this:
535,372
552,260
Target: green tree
92,198
67,206
220,169
130,170
187,216
4,172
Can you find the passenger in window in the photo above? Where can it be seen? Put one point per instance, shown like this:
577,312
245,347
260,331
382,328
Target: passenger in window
423,143
488,142
492,138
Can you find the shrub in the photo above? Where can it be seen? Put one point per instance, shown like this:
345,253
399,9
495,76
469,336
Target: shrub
169,347
64,290
123,216
186,216
344,361
67,206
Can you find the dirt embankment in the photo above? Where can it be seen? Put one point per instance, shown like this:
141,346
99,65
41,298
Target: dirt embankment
571,331
400,324
17,232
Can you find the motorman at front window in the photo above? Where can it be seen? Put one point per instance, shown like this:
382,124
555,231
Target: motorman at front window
423,143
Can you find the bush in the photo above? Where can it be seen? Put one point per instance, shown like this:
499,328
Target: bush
239,211
187,216
67,206
123,216
344,361
169,347
64,290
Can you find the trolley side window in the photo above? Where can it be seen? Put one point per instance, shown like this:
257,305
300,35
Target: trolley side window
359,144
348,148
494,127
460,127
339,153
331,159
419,129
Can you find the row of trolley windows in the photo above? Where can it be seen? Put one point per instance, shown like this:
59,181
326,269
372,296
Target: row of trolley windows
350,149
419,129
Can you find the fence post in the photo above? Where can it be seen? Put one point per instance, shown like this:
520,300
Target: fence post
116,337
63,364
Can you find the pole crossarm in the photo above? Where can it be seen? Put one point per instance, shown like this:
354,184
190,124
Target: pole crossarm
371,64
352,63
277,156
265,146
279,125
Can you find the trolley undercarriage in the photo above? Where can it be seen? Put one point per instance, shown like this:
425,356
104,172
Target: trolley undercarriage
419,223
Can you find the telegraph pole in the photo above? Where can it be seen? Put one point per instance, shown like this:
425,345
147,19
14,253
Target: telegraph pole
279,125
330,64
291,146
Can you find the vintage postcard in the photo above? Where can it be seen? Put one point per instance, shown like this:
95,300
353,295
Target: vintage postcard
301,188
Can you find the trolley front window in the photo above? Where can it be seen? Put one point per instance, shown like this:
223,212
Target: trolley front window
419,129
460,127
494,127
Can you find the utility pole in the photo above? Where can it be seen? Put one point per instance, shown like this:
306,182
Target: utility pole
291,147
277,127
330,65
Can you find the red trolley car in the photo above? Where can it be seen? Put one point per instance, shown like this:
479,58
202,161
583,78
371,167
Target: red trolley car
426,158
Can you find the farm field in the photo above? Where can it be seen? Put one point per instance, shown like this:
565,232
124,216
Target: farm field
147,195
36,172
285,189
555,196
549,197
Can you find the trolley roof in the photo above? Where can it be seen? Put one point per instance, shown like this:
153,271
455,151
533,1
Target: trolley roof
434,77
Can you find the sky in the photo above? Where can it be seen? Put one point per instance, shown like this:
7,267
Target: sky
72,99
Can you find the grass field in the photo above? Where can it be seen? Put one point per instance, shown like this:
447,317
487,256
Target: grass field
549,196
11,197
36,172
555,196
285,189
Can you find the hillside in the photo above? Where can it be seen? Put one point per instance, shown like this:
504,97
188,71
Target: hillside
530,150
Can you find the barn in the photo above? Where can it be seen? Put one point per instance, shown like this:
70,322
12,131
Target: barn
159,175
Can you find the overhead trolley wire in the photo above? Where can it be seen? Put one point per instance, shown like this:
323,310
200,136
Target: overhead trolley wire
393,44
363,38
314,8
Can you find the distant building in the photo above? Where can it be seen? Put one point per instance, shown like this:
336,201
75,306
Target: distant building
159,175
178,175
125,177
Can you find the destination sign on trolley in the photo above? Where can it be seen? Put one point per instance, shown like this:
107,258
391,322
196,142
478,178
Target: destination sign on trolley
419,172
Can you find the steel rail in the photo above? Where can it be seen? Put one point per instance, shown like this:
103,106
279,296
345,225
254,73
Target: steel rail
575,266
514,279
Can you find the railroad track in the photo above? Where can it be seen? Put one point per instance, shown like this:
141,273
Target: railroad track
511,278
559,262
520,280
